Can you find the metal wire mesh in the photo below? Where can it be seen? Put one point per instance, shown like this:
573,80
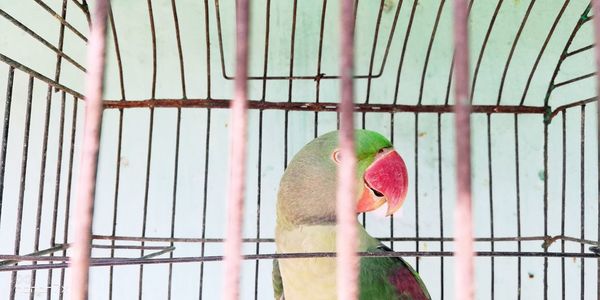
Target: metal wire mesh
159,209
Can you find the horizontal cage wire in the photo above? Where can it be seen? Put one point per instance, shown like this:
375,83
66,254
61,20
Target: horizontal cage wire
160,207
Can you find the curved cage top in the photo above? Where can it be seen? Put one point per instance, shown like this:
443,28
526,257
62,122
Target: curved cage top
523,53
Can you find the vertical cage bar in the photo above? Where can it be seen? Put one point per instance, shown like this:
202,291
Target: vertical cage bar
59,159
113,28
68,190
404,46
174,196
260,144
441,201
563,200
80,258
290,84
491,198
22,183
347,260
204,199
518,208
150,136
61,40
237,144
319,65
582,199
417,189
207,143
258,198
596,20
42,181
464,288
57,69
7,107
177,141
545,202
392,219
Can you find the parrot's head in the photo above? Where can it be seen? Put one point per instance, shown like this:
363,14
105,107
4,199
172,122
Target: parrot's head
307,192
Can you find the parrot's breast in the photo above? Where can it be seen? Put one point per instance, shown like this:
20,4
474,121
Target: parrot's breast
309,278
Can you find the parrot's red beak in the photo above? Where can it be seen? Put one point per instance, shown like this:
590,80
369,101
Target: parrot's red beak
386,179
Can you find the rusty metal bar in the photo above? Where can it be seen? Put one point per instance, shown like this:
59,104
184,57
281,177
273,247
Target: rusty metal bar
237,159
97,261
347,260
89,155
17,65
567,106
547,240
464,282
36,253
321,106
122,261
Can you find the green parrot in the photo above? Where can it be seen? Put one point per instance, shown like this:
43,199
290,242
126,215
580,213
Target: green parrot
306,221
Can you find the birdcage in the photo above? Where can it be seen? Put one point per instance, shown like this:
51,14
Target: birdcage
163,95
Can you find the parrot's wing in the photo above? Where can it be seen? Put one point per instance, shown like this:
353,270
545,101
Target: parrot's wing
277,283
404,278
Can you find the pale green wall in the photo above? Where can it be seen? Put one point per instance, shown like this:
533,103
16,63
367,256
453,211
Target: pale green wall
132,25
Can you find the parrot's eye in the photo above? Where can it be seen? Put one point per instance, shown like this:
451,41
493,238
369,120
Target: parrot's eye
381,150
336,156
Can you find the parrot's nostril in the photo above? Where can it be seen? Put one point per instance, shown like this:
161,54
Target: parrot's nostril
377,193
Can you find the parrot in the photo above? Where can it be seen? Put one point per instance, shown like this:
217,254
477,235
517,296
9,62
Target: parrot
306,221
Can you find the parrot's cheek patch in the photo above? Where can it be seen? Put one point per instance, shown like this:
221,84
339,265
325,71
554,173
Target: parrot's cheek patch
388,176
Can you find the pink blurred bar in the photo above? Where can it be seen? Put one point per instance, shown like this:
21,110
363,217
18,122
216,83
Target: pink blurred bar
84,207
237,159
347,259
596,20
464,284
